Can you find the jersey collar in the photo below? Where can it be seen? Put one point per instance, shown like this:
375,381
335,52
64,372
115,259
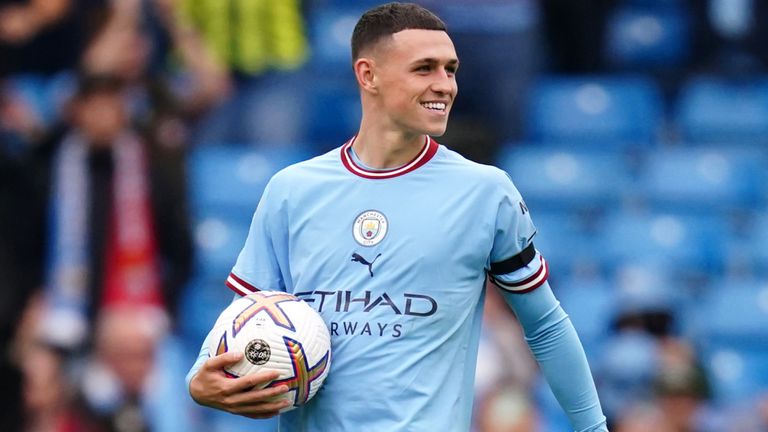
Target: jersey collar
426,153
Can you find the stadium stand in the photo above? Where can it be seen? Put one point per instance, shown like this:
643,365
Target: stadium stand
603,111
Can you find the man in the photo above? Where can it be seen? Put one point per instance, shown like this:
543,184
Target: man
391,237
118,238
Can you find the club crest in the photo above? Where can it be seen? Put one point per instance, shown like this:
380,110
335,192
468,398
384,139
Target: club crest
370,228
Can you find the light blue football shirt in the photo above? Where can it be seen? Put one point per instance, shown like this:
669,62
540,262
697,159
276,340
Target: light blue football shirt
395,262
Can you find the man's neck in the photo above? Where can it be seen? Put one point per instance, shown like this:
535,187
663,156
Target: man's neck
385,149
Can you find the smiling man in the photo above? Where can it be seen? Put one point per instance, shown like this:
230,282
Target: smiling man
429,227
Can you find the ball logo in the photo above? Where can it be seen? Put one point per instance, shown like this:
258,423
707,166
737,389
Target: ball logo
257,352
370,228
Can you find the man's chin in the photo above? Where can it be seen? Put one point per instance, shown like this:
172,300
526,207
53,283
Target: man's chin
436,131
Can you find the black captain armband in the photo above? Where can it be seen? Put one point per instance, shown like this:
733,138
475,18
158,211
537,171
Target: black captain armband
514,263
530,283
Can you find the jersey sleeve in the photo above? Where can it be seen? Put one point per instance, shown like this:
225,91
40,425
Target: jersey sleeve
515,264
259,265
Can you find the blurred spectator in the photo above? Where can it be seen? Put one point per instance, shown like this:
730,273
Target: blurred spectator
43,36
19,268
250,37
643,417
167,95
118,378
47,394
259,43
505,369
681,387
119,231
507,408
504,356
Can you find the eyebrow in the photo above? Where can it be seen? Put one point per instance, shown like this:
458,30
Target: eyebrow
432,60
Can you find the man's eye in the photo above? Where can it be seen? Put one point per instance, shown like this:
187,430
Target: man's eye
424,68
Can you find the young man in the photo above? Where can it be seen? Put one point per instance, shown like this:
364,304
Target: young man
391,238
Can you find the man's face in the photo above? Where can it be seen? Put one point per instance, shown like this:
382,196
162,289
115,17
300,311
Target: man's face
101,116
416,72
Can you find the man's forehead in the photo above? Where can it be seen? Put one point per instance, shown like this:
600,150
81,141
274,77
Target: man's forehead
416,43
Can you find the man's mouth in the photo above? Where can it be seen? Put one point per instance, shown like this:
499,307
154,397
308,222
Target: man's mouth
434,106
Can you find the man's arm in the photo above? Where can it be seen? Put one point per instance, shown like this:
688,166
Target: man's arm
556,346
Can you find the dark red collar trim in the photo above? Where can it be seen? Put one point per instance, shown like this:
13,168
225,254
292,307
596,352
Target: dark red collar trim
424,156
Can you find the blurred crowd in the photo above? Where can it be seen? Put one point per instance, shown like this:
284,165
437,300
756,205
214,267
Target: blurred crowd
110,110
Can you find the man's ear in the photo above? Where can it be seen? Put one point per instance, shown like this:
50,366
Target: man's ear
365,73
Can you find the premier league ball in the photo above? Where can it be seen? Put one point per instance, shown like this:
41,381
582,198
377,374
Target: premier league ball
278,331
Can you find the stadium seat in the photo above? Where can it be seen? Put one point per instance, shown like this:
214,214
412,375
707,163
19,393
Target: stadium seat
567,241
225,178
647,36
755,244
732,311
691,243
218,241
560,178
497,42
200,305
646,286
590,302
704,178
330,31
626,370
736,374
594,111
713,109
332,113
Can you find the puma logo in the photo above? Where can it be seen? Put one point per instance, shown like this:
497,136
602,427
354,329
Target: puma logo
358,258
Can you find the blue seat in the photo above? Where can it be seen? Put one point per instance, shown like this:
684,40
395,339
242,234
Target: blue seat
755,244
734,312
704,178
736,374
488,18
626,370
692,242
218,241
714,109
224,178
590,302
648,36
333,112
594,110
561,178
330,31
200,305
566,241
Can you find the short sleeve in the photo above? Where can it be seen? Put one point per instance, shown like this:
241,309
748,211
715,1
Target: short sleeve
515,264
258,266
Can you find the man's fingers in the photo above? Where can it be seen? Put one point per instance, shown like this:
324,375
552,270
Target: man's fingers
262,410
255,396
258,379
221,361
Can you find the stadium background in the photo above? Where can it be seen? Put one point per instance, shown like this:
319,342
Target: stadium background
637,130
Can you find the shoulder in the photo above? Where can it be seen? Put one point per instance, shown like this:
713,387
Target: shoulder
488,177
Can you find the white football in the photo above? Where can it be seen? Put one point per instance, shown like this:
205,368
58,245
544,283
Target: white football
278,331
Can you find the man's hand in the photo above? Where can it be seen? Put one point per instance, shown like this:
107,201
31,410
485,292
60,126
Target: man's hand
243,396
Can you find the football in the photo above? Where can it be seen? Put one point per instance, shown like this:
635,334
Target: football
278,331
